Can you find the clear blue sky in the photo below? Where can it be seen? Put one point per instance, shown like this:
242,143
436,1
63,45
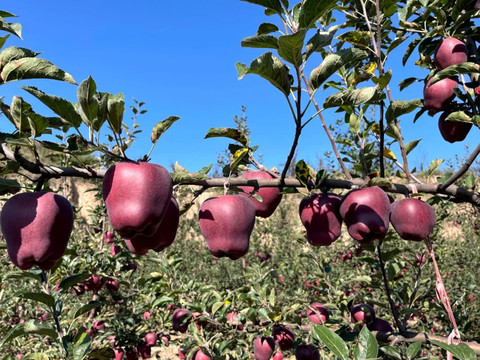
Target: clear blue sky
179,57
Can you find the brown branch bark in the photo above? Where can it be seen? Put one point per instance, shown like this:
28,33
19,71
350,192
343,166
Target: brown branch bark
463,169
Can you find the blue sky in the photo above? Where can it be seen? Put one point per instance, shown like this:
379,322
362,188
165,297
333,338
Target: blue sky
179,58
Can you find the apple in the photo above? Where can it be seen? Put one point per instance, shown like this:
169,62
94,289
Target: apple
453,131
180,319
146,315
131,354
366,213
320,215
115,250
271,196
151,339
263,347
200,355
278,356
144,351
283,336
363,313
307,352
94,283
37,227
118,353
109,237
182,354
437,97
163,236
226,222
112,285
318,313
136,195
412,219
450,51
99,325
166,339
232,319
380,325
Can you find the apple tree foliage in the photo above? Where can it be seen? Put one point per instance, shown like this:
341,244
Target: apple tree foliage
101,299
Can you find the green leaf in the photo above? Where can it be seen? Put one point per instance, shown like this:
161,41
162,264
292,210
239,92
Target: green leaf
459,116
270,68
379,181
161,127
83,344
230,133
410,49
393,131
3,39
312,10
73,280
260,41
12,28
357,38
411,145
320,39
273,5
332,341
469,181
33,68
38,124
463,68
32,274
367,348
434,165
355,97
29,328
461,351
116,109
62,107
9,186
18,111
304,173
334,62
238,157
272,297
413,350
85,93
86,308
290,47
37,296
101,354
267,28
320,177
354,123
181,175
406,82
383,80
15,53
401,107
216,306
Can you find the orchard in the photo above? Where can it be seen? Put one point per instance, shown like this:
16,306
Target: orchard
364,258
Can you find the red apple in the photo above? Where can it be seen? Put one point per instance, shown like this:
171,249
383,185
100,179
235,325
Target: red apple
232,318
118,353
99,325
320,215
151,339
144,351
181,319
112,285
94,283
226,222
412,219
318,313
271,196
109,237
131,354
307,352
263,347
163,236
366,213
363,313
200,355
437,97
278,356
136,196
115,250
283,336
146,315
453,131
37,227
450,51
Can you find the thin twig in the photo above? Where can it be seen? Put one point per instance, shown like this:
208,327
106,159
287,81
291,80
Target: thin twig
463,169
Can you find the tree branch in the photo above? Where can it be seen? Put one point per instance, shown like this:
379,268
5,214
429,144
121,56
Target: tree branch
463,169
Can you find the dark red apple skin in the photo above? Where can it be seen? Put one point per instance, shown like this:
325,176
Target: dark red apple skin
163,236
37,227
318,313
271,196
136,196
362,313
438,96
307,352
366,213
450,51
178,323
380,325
412,219
453,131
263,347
284,337
226,222
151,339
320,215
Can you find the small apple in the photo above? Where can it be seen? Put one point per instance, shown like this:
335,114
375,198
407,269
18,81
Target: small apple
151,339
115,250
320,215
278,356
453,131
109,237
232,319
99,325
118,353
412,219
307,352
180,319
144,351
166,339
366,213
136,195
271,196
94,283
37,227
363,313
263,347
283,336
112,285
450,51
146,315
200,355
318,313
226,222
437,97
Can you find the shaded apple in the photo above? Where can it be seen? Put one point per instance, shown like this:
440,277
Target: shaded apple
380,325
412,219
450,51
226,222
232,319
318,313
144,351
271,196
278,356
200,355
320,215
366,213
263,347
118,353
136,196
453,131
163,236
180,319
131,354
283,336
362,313
437,97
307,352
112,285
37,227
151,339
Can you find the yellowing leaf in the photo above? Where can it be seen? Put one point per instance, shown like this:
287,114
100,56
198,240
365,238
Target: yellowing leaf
227,302
376,128
370,68
389,154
